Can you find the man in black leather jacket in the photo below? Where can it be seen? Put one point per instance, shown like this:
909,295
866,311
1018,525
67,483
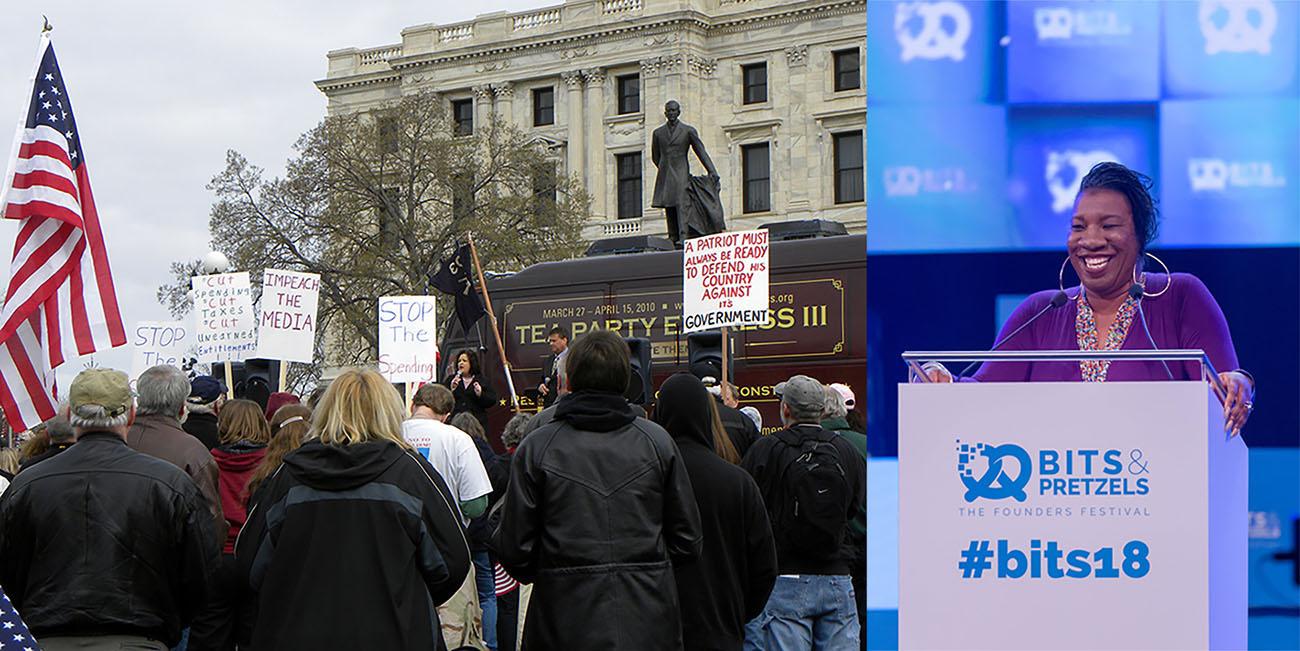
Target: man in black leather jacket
102,546
598,511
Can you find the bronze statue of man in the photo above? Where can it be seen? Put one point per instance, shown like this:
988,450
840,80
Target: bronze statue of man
690,205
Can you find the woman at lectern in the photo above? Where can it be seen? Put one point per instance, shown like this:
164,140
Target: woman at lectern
1117,305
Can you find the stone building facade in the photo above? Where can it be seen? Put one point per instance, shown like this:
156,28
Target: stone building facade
775,88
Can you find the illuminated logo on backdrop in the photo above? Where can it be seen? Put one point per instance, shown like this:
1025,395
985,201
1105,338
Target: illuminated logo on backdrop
1217,175
1238,26
1063,24
945,28
1065,172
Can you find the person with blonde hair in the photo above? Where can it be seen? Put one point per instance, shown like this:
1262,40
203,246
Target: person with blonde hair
355,541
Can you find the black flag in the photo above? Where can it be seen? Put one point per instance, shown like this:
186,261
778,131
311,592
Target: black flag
453,278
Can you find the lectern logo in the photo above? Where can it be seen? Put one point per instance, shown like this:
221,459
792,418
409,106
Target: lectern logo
996,482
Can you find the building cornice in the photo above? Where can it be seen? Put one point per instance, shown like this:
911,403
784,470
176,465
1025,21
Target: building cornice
689,21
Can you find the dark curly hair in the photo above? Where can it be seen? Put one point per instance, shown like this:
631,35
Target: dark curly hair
1136,188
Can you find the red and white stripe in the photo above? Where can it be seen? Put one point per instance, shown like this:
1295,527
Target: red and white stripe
59,302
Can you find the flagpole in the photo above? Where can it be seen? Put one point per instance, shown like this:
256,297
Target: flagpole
496,332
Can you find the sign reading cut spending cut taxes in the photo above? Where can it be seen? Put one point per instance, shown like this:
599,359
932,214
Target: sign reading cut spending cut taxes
725,280
224,327
408,342
287,323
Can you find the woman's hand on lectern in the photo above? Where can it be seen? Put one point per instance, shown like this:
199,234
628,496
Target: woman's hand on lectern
937,372
1239,401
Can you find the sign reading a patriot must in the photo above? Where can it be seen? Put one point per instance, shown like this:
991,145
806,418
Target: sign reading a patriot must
725,280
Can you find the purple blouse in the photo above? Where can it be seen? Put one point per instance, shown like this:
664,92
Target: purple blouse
1186,316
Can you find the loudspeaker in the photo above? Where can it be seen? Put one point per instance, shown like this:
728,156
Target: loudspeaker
254,379
704,355
633,244
803,229
640,387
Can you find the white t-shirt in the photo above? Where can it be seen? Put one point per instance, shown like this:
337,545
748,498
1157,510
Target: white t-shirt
452,453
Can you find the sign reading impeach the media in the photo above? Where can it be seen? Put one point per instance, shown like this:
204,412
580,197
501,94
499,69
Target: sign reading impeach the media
224,328
725,280
408,339
287,324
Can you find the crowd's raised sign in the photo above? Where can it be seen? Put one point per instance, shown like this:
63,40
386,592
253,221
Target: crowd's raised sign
408,340
224,327
287,323
725,280
159,342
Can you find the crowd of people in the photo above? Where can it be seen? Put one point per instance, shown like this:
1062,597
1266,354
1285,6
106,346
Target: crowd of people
172,517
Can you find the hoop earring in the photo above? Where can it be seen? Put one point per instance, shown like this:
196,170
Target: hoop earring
1060,281
1168,275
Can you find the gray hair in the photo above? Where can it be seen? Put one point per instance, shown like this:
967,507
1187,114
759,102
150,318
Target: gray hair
515,430
95,417
834,405
59,428
162,390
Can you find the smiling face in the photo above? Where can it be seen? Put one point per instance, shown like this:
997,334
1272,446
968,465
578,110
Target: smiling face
1103,242
462,364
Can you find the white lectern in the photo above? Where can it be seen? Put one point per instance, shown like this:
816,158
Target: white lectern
1070,515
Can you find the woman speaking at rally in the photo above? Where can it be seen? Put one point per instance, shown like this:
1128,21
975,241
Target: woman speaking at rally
1118,305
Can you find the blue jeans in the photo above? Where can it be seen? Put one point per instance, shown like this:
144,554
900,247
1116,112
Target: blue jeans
485,584
807,612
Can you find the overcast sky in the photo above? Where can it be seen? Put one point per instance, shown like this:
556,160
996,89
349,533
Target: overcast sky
163,89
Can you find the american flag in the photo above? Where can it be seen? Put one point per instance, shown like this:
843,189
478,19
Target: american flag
60,301
13,632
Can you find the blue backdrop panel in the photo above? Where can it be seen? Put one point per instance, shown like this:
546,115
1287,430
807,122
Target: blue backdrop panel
1083,51
940,187
1052,150
1225,180
939,51
1218,47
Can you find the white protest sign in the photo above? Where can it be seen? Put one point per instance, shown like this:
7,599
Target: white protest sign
408,340
158,342
224,328
725,280
287,324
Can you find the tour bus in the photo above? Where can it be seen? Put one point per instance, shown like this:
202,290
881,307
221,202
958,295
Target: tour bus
816,324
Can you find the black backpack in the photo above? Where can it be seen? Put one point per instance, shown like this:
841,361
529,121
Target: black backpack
812,510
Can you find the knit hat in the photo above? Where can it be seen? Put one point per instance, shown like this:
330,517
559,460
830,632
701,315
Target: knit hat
278,400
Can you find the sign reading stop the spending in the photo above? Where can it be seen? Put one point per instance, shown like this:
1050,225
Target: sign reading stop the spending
287,323
224,327
159,342
725,280
408,348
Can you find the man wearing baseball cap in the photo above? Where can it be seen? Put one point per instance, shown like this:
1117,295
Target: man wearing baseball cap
102,546
207,394
813,483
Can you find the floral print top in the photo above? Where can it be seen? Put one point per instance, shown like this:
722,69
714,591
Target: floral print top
1085,327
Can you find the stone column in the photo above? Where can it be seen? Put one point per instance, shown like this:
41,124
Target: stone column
652,106
798,159
505,94
597,178
482,106
573,81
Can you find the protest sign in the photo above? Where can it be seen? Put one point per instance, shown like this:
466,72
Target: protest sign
159,342
408,340
224,328
725,280
287,323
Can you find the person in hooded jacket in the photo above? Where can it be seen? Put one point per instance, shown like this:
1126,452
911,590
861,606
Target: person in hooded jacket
354,541
207,394
599,510
737,568
244,435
